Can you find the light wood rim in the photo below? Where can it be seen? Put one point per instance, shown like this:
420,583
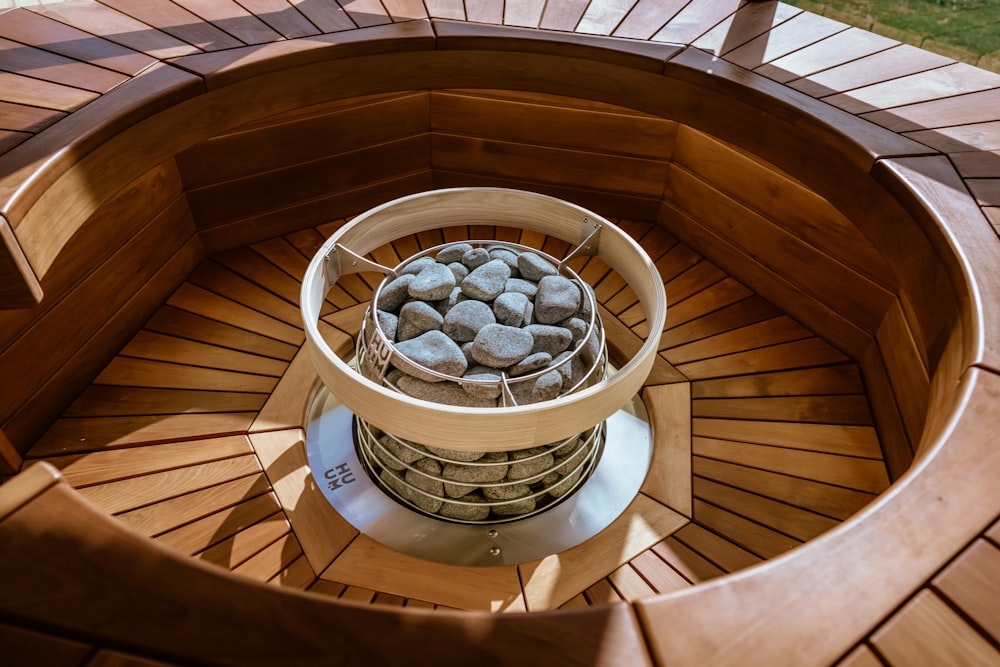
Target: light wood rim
491,429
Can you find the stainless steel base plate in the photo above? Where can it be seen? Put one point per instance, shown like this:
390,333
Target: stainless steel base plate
333,461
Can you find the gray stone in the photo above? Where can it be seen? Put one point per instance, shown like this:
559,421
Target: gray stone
565,485
417,265
507,256
473,512
548,338
486,282
453,252
534,267
433,283
394,482
492,390
585,310
467,351
545,388
447,393
491,468
395,293
464,320
475,258
421,476
529,314
511,492
453,490
557,299
572,372
388,323
509,307
521,286
526,463
576,326
569,447
499,346
446,304
459,271
394,455
454,454
433,350
530,363
416,318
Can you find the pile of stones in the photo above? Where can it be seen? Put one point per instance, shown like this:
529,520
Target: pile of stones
474,313
463,322
480,486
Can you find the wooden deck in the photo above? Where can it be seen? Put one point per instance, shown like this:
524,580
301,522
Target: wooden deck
821,203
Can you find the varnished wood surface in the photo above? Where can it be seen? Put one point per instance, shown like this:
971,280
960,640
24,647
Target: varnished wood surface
932,146
193,434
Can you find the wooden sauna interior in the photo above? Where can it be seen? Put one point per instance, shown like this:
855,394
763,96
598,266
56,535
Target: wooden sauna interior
823,402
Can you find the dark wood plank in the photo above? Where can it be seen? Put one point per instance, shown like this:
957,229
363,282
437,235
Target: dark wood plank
233,19
845,440
183,323
19,89
177,21
39,64
109,401
825,380
159,347
282,17
327,16
883,65
774,331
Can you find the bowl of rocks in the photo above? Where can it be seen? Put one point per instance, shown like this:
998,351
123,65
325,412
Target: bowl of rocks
481,324
478,345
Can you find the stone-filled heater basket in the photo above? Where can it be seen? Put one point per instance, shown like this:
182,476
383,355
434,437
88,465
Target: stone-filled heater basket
509,427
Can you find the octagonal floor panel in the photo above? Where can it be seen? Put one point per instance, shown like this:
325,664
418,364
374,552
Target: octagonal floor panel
192,435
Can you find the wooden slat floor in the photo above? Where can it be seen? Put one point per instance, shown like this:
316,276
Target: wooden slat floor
175,437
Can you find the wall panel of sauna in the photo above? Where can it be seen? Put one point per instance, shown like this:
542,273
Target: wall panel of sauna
128,256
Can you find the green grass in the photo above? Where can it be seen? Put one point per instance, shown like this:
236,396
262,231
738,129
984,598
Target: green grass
973,25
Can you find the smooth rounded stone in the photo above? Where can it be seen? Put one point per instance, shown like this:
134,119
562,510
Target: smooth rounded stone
453,252
433,350
512,492
459,271
509,307
564,465
534,267
454,298
475,258
521,286
492,390
395,293
549,338
527,463
417,265
453,490
486,282
507,256
529,314
491,468
532,362
545,388
467,351
464,320
394,455
557,299
394,482
549,480
568,448
592,347
585,310
577,327
498,346
388,323
476,512
393,376
418,477
454,454
572,372
565,485
416,318
447,393
433,283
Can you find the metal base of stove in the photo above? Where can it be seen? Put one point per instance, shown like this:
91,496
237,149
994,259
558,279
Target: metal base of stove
614,483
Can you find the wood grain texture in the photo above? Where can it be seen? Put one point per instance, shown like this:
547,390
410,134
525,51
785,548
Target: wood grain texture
669,477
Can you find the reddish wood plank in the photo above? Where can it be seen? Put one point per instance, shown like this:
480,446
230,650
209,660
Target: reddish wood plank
603,16
25,118
18,89
647,17
116,27
366,13
282,17
108,401
797,32
232,18
177,21
972,583
201,534
38,64
29,27
749,21
885,65
837,49
697,17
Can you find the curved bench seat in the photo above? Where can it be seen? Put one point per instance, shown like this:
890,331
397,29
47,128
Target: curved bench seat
858,206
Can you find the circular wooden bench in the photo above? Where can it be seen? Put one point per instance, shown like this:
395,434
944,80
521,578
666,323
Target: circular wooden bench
873,241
